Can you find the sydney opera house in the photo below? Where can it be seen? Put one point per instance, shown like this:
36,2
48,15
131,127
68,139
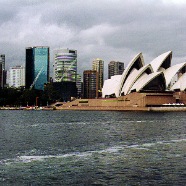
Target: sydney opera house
157,76
141,85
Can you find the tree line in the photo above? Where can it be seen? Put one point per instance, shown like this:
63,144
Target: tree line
17,97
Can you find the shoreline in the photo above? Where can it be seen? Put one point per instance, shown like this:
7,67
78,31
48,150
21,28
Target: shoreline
146,109
109,108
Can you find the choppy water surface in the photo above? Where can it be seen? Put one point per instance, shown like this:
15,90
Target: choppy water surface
92,148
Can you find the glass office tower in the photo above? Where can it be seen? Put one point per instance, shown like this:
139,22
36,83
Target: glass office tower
37,67
65,65
2,70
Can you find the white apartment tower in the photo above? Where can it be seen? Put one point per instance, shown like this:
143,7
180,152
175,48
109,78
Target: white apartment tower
17,76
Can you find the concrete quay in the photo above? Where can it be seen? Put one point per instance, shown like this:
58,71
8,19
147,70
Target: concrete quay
98,108
147,109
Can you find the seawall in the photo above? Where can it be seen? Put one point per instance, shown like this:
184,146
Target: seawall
152,109
103,108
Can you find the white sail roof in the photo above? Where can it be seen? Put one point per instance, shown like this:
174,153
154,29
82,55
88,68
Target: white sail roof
158,62
171,71
110,85
144,80
180,84
137,62
133,77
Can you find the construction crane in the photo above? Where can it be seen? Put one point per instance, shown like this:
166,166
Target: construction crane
36,78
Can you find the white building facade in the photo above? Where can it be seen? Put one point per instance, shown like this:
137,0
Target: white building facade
17,76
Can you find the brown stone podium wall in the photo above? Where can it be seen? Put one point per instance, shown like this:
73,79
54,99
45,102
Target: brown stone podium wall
133,100
159,99
180,96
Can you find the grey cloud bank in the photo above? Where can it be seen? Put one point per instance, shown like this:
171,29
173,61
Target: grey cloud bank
108,29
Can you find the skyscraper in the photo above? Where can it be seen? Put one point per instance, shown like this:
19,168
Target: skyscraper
2,71
65,65
17,76
90,84
98,65
79,85
37,67
115,68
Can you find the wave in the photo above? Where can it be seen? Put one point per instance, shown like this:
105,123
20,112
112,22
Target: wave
179,140
109,150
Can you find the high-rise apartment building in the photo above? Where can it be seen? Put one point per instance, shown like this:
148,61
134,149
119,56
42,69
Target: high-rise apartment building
65,65
115,68
90,84
17,76
2,71
79,85
98,65
37,67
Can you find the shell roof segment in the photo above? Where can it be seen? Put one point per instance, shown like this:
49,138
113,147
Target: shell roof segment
146,79
137,62
162,62
180,84
133,77
110,85
171,72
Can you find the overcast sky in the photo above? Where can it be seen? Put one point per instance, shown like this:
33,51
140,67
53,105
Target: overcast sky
107,29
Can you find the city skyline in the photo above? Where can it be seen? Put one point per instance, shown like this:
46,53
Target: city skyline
58,53
110,30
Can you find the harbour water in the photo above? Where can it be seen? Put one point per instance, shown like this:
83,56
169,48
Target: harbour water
92,148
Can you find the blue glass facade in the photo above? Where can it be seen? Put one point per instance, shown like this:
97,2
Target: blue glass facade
41,61
37,67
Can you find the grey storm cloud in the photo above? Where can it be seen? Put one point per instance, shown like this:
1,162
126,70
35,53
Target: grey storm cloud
108,29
